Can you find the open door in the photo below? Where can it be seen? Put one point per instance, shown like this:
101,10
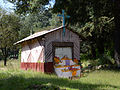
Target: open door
63,52
64,65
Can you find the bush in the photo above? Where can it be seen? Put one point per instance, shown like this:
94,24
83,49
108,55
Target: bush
104,59
19,55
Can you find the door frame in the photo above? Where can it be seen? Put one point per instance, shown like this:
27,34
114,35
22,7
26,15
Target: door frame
62,44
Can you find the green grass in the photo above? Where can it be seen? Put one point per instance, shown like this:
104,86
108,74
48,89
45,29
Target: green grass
12,78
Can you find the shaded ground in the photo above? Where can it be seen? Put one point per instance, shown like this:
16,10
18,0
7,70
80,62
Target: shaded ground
12,78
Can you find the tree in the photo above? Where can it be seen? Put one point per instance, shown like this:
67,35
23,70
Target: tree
93,19
117,31
33,22
28,6
9,27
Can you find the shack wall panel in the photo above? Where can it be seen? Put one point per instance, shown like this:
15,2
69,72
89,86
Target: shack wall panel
32,66
57,36
33,51
25,52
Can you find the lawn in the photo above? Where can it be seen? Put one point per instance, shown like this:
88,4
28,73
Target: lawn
12,78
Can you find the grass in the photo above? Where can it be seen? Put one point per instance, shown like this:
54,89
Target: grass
12,78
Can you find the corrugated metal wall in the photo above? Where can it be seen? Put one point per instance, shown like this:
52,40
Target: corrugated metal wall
56,36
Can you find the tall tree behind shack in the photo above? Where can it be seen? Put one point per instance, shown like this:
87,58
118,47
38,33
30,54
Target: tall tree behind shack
94,21
9,27
117,31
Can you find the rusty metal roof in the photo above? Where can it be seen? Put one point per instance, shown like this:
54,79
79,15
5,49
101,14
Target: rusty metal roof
38,34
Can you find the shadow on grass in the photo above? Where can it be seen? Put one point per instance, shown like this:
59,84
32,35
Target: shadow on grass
21,83
112,69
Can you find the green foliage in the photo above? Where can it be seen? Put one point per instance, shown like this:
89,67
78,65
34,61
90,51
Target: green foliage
91,19
9,27
55,21
98,32
106,60
0,55
35,22
19,55
28,6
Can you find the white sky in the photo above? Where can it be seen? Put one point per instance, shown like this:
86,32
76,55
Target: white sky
6,5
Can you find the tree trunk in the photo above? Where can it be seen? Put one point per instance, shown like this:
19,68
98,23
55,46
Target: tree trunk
117,47
93,51
5,61
4,52
117,32
100,46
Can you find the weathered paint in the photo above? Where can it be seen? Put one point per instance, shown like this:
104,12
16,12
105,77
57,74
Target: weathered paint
37,53
56,36
32,51
42,67
38,34
33,66
66,67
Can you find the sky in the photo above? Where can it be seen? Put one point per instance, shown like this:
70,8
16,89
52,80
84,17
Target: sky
6,5
9,6
52,2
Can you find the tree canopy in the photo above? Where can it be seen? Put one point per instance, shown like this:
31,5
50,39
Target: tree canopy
28,6
9,27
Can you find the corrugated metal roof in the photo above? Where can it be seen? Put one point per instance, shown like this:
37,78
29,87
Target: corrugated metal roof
38,34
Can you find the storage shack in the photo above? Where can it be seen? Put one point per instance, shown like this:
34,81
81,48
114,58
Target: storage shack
41,50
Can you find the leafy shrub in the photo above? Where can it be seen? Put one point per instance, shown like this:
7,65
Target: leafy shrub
104,59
